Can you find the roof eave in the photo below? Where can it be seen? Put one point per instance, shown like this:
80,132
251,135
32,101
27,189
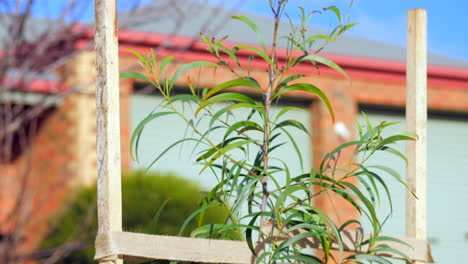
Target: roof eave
356,67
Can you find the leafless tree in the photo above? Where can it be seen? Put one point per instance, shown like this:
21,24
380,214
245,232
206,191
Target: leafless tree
37,37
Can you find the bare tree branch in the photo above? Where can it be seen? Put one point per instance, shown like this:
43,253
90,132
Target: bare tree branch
34,48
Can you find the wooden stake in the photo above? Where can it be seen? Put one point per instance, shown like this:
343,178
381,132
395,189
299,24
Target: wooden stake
416,121
108,125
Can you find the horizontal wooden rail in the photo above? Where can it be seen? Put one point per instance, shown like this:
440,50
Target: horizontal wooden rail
112,244
135,245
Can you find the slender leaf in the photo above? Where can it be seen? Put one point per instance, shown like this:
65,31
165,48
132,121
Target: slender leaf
190,66
169,148
291,123
154,223
138,55
310,89
139,129
191,216
254,27
316,58
242,124
223,98
164,63
260,53
286,110
336,11
135,75
229,84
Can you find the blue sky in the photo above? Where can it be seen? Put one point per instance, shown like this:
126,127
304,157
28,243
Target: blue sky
386,20
379,20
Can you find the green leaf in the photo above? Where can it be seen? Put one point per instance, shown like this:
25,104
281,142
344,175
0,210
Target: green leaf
358,124
337,235
263,256
300,259
336,11
316,58
285,167
286,110
187,221
279,204
244,192
184,98
249,233
189,66
290,79
369,189
393,239
215,46
154,223
353,189
139,129
138,55
316,37
260,53
385,249
391,172
224,97
347,27
164,63
393,139
311,89
338,149
226,149
347,223
370,258
296,148
292,123
319,230
396,153
210,229
169,148
372,175
135,75
297,44
242,124
256,108
213,150
229,84
254,27
295,239
218,114
370,129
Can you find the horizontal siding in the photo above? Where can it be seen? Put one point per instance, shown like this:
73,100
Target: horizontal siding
162,132
447,187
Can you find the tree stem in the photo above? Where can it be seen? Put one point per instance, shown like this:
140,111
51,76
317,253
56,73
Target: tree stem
266,125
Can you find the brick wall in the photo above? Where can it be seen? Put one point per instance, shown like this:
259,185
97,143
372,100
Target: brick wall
34,185
62,156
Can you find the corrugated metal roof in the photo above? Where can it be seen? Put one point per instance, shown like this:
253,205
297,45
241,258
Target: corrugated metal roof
35,27
188,18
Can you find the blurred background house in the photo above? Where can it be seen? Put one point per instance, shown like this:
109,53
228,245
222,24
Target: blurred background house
47,112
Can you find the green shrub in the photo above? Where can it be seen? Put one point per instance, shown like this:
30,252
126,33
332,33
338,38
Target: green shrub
142,196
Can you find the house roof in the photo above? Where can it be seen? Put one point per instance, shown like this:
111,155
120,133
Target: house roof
31,81
175,23
188,18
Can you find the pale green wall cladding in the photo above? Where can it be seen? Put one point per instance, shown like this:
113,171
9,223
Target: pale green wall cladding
447,162
160,133
447,187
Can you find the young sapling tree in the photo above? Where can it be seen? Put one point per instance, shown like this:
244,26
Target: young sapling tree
266,203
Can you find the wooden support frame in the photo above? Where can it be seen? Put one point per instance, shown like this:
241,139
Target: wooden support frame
113,245
416,121
108,123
